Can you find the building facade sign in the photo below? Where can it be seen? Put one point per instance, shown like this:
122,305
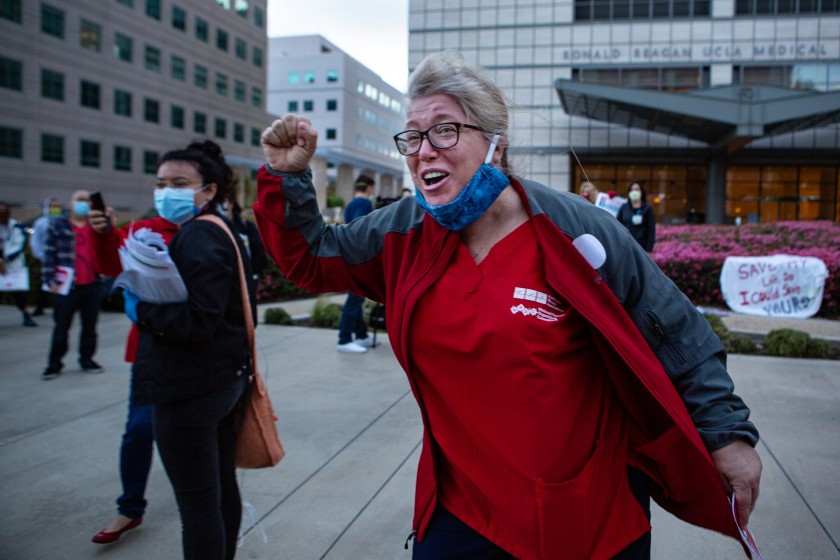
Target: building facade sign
715,52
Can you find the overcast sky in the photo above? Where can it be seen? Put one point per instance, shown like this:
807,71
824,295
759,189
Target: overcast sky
374,32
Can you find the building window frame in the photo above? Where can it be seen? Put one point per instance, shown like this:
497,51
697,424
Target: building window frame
11,74
150,162
178,68
11,142
52,84
200,76
151,59
151,110
122,103
90,35
122,158
11,10
222,40
202,30
52,148
199,122
179,18
90,94
153,9
123,47
176,117
52,21
89,155
220,128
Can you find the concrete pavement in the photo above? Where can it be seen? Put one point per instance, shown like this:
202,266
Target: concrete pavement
352,434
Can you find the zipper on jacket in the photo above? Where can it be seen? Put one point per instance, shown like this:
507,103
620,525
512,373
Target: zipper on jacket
664,340
411,535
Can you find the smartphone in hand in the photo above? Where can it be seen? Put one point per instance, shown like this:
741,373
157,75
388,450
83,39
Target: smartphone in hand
98,203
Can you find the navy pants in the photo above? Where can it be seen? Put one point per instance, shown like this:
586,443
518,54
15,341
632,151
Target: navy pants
352,320
449,538
135,459
196,439
84,299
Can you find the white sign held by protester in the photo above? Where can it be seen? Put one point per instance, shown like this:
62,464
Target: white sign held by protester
610,204
776,286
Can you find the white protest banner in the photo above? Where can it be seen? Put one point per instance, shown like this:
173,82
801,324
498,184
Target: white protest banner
610,204
776,286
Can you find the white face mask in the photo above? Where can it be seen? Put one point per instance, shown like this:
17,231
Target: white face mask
635,196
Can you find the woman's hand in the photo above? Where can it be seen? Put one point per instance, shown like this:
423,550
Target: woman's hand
100,221
289,143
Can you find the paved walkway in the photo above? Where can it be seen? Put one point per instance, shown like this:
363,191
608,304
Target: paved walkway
352,433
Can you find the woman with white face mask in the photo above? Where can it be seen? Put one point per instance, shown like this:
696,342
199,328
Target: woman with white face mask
638,217
191,359
524,318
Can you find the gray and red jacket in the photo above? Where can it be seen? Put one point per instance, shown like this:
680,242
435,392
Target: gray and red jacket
663,359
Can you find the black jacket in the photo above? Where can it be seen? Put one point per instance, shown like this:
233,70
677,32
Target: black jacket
199,346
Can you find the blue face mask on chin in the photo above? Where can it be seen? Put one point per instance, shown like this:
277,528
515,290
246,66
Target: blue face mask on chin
475,198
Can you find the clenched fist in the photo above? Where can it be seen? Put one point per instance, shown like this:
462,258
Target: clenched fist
289,143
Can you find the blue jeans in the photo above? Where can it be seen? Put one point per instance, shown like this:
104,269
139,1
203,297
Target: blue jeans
135,458
352,320
84,299
196,439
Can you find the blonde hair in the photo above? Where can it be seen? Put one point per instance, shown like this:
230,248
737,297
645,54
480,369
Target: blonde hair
478,95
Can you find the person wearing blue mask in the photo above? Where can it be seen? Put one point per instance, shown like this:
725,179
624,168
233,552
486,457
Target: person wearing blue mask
69,274
562,379
192,359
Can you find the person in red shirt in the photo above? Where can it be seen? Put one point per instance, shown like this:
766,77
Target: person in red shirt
68,272
562,379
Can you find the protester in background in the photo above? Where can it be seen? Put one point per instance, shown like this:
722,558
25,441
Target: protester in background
193,359
526,320
638,217
588,191
38,245
406,193
247,230
137,446
68,273
352,315
13,262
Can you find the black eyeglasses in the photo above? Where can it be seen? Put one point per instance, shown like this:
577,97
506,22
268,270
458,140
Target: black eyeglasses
441,136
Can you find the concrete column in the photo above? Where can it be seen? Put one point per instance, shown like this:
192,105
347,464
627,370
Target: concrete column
344,182
386,186
319,178
716,188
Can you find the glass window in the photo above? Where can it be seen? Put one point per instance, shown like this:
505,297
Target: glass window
122,47
122,158
224,4
220,128
176,117
293,107
242,8
151,110
256,133
11,74
308,106
332,104
52,148
129,3
10,10
222,39
294,78
256,97
331,134
179,18
91,36
122,103
52,85
179,68
199,123
200,76
201,29
238,132
259,17
153,9
150,162
89,95
152,59
52,21
332,75
89,153
257,57
309,77
11,142
241,49
239,90
221,84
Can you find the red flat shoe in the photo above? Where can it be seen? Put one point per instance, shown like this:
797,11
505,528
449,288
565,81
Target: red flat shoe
105,537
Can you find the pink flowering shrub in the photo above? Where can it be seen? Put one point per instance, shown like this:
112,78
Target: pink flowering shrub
273,286
692,255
